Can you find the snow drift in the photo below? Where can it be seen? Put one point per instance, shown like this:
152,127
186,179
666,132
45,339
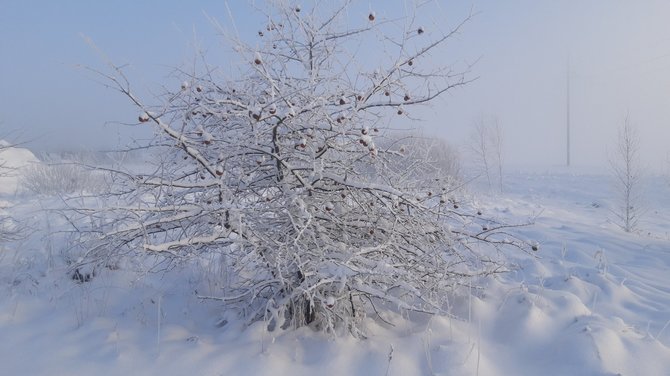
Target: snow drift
12,160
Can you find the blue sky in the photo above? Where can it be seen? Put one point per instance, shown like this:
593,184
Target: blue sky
619,52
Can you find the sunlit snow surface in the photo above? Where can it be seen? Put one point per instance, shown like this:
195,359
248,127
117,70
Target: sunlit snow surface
595,301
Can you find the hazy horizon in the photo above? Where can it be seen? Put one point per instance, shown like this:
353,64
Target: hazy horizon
617,54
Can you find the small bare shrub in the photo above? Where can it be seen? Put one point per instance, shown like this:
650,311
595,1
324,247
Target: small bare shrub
55,179
626,168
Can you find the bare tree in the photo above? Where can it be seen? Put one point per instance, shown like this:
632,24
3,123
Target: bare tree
479,146
320,213
627,171
486,147
496,135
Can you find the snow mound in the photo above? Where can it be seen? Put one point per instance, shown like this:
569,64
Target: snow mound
12,160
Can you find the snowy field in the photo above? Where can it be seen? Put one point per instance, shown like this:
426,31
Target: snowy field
595,301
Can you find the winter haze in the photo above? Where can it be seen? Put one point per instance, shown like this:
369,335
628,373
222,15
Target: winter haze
617,54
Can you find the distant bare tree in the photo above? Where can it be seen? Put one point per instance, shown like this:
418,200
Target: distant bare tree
627,171
486,141
479,147
496,138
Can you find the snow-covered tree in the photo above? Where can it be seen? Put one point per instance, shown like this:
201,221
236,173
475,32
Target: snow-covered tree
321,213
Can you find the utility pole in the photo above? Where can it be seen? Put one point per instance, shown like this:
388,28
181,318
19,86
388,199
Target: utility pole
567,115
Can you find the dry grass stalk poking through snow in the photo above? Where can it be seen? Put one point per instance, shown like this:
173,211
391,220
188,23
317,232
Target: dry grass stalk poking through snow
321,214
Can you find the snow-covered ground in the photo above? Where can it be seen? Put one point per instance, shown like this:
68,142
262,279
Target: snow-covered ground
595,301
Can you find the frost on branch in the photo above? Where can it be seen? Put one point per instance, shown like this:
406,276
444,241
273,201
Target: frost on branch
320,216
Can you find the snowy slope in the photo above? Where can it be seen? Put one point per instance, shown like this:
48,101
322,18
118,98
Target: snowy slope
12,160
595,301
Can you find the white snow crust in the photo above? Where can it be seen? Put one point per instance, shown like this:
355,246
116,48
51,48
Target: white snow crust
593,300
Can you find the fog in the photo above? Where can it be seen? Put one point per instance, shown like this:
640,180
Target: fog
616,55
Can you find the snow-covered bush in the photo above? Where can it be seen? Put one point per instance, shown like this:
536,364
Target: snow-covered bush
320,212
435,151
59,179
